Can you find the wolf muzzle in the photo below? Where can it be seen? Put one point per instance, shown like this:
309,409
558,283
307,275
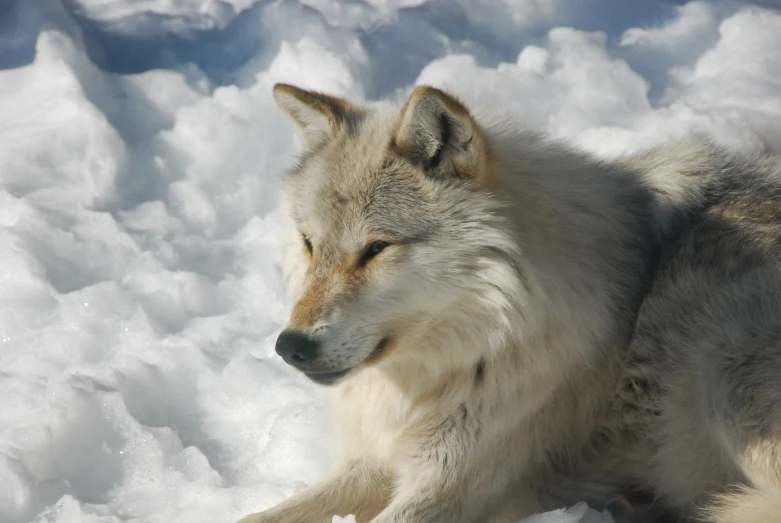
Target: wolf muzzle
297,349
301,352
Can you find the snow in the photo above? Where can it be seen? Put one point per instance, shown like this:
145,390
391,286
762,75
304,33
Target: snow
140,161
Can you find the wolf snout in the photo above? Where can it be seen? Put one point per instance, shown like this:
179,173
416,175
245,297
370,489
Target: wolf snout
296,348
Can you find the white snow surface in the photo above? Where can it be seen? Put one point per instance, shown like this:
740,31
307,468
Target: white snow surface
140,162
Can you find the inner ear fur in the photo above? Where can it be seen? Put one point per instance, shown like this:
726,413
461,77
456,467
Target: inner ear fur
437,133
317,115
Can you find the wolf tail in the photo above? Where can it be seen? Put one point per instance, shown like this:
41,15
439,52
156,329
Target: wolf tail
745,505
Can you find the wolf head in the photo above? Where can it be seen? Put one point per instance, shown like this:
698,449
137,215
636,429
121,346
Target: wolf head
395,230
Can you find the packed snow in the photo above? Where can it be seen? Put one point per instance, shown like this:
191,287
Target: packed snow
140,161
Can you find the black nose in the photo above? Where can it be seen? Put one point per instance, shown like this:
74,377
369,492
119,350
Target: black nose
296,348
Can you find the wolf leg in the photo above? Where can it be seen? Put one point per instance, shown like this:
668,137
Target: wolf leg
353,488
745,505
427,505
449,499
747,405
759,499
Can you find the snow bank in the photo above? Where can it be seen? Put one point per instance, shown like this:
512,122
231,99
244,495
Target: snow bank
140,156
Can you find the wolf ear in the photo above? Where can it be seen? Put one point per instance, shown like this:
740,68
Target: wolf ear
317,115
437,132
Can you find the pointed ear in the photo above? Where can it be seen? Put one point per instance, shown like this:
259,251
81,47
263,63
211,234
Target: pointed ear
437,132
318,116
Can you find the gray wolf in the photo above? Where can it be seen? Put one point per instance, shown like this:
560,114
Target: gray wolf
509,325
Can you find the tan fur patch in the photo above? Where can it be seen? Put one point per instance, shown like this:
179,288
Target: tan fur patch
318,295
309,308
489,176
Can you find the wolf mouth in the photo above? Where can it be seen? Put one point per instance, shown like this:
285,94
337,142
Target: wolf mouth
330,378
327,378
379,349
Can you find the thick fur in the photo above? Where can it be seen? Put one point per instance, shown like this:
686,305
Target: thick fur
539,327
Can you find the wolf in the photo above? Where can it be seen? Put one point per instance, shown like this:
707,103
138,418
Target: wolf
509,325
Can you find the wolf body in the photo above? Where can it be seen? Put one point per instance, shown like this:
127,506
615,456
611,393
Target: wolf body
509,325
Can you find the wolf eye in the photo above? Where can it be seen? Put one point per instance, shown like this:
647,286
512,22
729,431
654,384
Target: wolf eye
373,250
307,244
